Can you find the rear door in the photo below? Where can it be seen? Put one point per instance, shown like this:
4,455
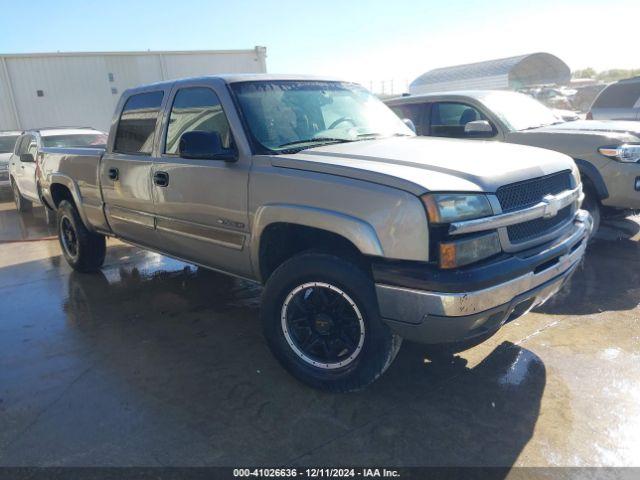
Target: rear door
201,205
125,169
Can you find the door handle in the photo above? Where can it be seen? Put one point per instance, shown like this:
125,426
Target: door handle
114,174
161,179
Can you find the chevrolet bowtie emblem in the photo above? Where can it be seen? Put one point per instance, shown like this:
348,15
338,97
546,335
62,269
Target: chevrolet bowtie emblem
552,205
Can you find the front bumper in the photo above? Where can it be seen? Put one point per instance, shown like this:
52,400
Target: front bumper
433,316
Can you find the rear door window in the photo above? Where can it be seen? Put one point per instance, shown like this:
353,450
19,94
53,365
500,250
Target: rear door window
137,125
619,95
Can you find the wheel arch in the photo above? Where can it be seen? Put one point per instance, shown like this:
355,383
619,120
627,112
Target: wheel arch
294,228
588,171
62,188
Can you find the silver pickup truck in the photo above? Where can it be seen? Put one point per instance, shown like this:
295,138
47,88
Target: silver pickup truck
362,233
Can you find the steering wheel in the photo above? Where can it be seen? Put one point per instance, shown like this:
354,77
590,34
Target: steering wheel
341,120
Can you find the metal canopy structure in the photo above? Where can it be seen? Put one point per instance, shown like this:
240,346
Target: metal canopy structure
504,73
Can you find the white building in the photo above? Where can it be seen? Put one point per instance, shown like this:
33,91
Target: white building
82,89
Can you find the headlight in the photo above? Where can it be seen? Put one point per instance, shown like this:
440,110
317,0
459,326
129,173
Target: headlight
629,152
454,207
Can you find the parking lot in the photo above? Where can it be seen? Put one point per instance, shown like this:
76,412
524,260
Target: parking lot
156,362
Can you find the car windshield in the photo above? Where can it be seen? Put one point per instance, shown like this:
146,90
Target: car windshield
292,115
97,140
7,143
519,111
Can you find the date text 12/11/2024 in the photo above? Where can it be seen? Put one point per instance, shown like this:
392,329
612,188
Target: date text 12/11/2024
316,473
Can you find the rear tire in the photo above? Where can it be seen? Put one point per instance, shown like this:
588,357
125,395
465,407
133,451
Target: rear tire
22,204
321,321
83,250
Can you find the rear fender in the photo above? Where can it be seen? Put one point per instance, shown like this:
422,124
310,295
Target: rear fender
66,181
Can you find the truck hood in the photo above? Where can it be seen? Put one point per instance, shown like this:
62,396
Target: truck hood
421,164
591,126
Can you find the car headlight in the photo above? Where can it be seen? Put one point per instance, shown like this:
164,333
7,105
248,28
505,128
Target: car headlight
628,152
454,207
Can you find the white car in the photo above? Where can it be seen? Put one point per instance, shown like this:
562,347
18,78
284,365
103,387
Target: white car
29,147
7,142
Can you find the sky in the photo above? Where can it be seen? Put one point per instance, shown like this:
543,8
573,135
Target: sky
367,41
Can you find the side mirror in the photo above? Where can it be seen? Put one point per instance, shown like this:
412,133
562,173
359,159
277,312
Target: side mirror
479,128
26,158
409,123
201,145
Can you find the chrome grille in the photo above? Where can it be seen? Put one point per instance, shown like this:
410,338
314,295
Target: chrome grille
529,192
534,228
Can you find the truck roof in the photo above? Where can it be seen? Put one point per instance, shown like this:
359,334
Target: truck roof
235,78
477,94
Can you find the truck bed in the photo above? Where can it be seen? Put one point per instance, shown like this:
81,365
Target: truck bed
83,166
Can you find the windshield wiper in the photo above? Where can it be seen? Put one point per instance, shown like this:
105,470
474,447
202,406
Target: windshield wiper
315,140
373,136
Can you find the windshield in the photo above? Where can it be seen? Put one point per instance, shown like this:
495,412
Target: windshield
7,143
286,115
93,140
519,111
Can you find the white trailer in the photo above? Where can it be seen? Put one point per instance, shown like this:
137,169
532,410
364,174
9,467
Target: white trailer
82,89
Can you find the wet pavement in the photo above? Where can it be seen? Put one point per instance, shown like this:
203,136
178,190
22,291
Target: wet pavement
156,362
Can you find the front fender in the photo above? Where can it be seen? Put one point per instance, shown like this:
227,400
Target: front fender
591,172
357,231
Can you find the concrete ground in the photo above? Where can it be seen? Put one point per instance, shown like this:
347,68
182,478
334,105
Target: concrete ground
154,362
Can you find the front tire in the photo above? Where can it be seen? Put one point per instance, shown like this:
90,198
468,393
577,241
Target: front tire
22,204
83,250
321,321
591,204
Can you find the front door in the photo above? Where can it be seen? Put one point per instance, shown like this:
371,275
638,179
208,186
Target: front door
26,171
201,205
125,170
